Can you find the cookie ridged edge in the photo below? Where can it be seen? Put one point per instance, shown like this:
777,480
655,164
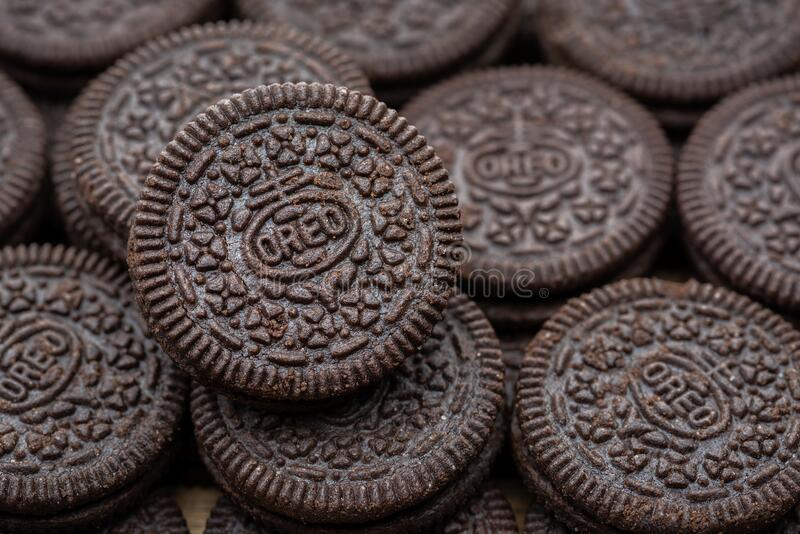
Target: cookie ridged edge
710,237
609,504
101,192
360,500
20,187
80,224
36,495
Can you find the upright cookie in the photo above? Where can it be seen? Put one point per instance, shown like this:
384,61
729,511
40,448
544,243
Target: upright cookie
159,514
127,115
562,180
656,406
292,243
738,193
396,42
22,162
430,431
58,45
88,403
682,52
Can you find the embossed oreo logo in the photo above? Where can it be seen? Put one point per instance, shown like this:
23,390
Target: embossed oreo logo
520,168
675,394
37,361
301,235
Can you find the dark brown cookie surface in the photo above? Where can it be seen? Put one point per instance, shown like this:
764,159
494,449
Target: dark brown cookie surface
227,518
538,520
561,179
673,51
300,250
395,40
738,192
127,116
417,431
428,516
22,157
88,403
670,405
87,34
158,514
488,513
83,228
555,510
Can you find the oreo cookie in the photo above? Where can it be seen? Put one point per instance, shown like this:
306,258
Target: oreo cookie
430,431
737,194
58,46
125,117
159,513
655,406
563,181
677,56
404,43
292,243
89,406
22,163
489,512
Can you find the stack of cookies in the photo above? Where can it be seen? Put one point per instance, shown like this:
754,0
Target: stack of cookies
338,316
290,251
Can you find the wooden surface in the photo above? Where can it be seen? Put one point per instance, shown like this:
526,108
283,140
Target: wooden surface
197,501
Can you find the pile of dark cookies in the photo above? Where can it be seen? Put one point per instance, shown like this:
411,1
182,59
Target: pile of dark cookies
229,261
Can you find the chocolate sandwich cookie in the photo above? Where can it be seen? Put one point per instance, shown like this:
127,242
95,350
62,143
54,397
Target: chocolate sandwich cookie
127,115
489,512
292,243
562,180
653,406
88,403
57,46
430,431
22,163
397,42
738,196
159,513
673,55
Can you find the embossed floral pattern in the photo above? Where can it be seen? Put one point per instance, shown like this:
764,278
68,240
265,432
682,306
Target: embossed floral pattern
75,370
678,396
542,166
752,179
